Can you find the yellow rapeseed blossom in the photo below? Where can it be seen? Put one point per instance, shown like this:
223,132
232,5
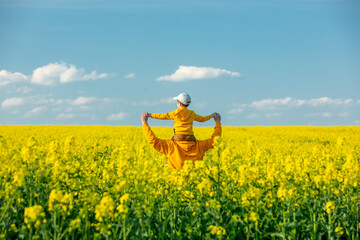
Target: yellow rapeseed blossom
60,200
125,198
217,230
105,208
100,180
339,230
122,209
32,214
19,177
330,206
74,224
254,217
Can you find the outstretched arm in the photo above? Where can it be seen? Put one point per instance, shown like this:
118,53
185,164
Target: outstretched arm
164,116
159,145
217,130
208,144
201,118
144,117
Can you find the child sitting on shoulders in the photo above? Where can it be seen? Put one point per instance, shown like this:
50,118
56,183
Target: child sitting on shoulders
183,118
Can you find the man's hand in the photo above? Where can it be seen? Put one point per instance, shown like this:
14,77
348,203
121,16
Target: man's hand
144,117
216,117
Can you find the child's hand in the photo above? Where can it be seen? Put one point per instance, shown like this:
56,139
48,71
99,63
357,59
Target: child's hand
148,114
213,114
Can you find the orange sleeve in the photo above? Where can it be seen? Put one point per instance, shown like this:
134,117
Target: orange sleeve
208,143
159,145
164,116
201,118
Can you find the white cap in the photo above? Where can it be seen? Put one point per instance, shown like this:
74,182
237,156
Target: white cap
184,98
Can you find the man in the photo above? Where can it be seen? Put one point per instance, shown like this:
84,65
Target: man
180,151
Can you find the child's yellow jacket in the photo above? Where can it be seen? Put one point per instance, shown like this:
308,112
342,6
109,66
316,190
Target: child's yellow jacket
183,119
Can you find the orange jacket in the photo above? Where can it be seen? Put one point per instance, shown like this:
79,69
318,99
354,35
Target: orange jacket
183,119
180,151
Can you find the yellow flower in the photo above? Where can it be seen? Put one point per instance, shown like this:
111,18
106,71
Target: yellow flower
339,230
37,223
61,201
55,196
105,208
213,204
122,208
74,224
217,230
19,177
254,217
330,206
282,193
13,228
26,154
32,214
125,198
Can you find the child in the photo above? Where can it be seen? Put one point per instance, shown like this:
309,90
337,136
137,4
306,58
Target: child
183,118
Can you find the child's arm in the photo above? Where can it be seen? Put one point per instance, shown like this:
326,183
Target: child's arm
203,119
164,116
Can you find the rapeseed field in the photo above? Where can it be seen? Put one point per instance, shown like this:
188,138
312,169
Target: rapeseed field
98,182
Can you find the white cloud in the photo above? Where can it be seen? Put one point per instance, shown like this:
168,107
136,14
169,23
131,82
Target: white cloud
12,102
130,75
49,74
54,73
15,112
118,116
324,115
24,90
288,102
34,112
270,104
344,114
68,105
328,101
40,99
149,103
168,100
270,115
253,115
311,115
9,77
187,73
236,110
84,100
65,116
281,104
200,104
356,123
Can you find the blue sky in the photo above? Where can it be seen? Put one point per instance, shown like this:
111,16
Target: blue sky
260,62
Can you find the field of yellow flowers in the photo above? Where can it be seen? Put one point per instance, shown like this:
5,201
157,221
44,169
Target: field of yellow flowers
72,182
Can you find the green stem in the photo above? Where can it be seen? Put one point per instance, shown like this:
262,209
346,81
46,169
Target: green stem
329,228
6,208
315,225
54,225
124,229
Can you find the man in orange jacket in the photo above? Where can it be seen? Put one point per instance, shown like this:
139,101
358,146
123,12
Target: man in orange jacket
180,151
